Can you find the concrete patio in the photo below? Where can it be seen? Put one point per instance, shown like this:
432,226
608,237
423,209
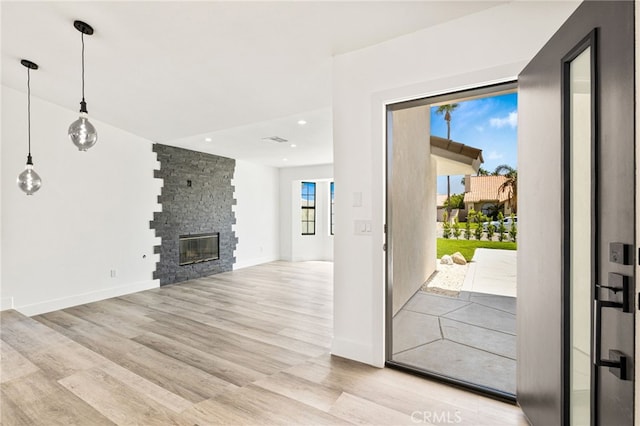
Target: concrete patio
471,337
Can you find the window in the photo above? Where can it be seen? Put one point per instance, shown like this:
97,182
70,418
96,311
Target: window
308,208
332,195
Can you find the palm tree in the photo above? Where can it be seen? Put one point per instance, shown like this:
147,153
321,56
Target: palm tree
510,185
447,110
482,172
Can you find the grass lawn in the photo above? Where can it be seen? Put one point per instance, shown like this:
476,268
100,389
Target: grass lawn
468,247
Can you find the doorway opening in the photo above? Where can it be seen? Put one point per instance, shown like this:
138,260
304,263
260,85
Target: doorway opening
452,238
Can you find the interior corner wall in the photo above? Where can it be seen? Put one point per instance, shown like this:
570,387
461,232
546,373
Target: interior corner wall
318,246
413,189
84,236
480,50
295,247
257,225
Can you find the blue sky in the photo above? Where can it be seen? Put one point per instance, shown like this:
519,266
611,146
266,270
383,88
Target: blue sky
489,124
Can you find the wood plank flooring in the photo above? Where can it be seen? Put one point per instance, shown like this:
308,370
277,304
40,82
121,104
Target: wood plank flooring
249,347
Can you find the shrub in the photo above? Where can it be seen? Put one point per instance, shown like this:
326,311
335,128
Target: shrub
491,229
513,232
467,229
501,228
456,228
478,218
446,226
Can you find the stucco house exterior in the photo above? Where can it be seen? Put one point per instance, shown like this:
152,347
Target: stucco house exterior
483,192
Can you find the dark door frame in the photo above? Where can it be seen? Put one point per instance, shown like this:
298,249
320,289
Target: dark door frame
462,95
590,41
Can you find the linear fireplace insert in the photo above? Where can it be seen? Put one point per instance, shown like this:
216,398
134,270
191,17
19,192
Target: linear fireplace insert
199,248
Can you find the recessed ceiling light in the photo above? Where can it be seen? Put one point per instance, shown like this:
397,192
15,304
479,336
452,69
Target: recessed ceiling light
302,122
293,145
208,139
284,159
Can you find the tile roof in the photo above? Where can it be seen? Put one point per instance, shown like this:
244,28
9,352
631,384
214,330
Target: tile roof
485,188
457,148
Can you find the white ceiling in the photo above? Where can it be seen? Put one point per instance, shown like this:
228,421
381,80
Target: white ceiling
235,72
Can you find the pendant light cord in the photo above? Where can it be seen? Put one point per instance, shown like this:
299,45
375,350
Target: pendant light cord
29,108
82,38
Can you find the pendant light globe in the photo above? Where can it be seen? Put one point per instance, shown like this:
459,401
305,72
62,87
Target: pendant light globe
29,181
82,133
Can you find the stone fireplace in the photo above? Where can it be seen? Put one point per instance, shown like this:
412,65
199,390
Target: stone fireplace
196,219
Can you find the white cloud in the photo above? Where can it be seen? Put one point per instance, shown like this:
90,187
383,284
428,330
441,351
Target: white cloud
494,155
480,128
511,120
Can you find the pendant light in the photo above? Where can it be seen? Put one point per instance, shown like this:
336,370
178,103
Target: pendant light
29,181
81,132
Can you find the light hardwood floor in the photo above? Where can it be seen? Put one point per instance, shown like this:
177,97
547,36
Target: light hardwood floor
245,347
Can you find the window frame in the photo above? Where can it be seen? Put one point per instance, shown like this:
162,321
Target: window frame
304,223
331,205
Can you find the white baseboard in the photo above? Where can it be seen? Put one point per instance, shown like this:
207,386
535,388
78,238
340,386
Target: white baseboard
6,303
310,259
79,299
355,351
254,262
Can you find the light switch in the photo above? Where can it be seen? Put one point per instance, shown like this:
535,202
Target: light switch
357,199
362,227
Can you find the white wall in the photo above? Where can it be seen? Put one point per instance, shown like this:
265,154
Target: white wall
413,189
320,245
257,225
487,47
293,245
91,215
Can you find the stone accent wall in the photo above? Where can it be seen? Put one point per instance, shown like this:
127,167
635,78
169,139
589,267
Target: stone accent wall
196,198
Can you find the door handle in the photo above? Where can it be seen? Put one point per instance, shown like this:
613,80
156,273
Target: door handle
618,363
617,284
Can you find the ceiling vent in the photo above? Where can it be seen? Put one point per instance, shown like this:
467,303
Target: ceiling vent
277,139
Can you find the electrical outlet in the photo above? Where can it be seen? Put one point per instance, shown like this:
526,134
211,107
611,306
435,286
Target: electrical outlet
113,273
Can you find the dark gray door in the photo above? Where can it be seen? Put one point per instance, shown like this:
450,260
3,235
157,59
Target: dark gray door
585,75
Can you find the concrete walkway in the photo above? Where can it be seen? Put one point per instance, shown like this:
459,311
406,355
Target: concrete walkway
471,337
492,272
